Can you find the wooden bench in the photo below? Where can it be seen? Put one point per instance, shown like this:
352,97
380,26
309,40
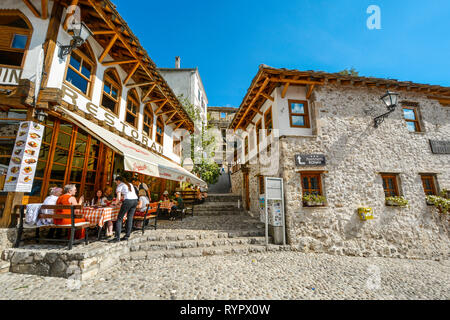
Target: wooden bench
72,226
190,200
151,212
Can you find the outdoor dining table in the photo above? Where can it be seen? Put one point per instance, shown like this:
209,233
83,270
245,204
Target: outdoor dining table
99,216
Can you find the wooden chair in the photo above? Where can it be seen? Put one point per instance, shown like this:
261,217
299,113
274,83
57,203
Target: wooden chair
151,212
190,200
72,226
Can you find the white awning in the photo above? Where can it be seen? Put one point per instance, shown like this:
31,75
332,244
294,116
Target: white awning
136,158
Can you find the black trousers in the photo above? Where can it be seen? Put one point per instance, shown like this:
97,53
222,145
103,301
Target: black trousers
128,208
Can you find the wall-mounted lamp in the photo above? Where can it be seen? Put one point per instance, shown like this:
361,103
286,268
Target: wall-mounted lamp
80,34
40,115
390,99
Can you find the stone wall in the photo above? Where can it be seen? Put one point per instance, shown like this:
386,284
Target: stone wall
356,153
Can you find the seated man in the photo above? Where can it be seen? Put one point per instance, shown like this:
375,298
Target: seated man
179,205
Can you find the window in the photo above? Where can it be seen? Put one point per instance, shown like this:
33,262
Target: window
80,69
148,121
298,114
258,129
412,120
15,35
261,185
177,146
160,131
111,91
223,115
429,186
268,125
390,185
132,108
246,145
311,183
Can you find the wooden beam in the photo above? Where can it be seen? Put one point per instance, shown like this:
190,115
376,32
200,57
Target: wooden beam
164,113
266,81
32,8
148,93
290,81
131,73
179,126
267,96
135,85
44,8
257,111
310,91
112,63
170,118
108,48
175,122
155,101
161,106
66,20
285,89
103,32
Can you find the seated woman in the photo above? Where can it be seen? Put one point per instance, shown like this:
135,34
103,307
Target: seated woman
179,205
165,196
51,200
99,199
141,207
68,199
199,196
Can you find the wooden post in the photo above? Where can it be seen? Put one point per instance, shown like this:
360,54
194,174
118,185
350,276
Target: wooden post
13,199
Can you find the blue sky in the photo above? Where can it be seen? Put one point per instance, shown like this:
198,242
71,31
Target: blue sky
228,40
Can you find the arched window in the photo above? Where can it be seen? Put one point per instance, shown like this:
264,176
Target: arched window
148,121
160,131
111,90
15,36
81,69
132,108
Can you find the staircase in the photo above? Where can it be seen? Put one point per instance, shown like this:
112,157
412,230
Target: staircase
220,204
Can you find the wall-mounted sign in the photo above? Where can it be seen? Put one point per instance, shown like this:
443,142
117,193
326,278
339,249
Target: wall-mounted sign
440,147
310,160
10,76
24,159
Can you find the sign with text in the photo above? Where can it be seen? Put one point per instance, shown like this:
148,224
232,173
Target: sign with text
24,159
440,147
310,160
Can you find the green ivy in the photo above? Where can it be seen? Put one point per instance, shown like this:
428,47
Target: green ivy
400,201
314,198
441,203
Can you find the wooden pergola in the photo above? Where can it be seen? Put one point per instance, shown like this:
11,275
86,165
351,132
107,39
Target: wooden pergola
268,78
118,41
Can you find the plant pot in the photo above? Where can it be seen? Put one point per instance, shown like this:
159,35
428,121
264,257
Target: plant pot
390,203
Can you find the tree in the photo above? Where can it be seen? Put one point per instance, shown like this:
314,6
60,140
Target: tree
208,170
351,72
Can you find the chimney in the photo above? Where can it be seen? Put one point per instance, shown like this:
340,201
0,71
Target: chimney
177,62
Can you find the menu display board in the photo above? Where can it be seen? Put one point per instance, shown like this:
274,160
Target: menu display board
24,159
275,213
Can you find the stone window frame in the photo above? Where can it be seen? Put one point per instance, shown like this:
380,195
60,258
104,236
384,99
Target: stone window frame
318,174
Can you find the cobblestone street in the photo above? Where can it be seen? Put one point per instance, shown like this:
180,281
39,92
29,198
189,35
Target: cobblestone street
271,275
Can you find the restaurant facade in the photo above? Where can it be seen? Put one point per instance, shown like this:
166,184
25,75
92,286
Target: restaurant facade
103,106
317,131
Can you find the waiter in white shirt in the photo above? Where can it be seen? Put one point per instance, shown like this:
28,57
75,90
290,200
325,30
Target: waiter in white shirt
126,191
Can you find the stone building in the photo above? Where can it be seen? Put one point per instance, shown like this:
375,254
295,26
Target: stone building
316,131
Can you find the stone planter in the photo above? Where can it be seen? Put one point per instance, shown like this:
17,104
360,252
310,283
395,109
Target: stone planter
391,203
313,204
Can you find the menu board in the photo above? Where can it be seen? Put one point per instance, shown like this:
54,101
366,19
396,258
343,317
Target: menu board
24,159
275,213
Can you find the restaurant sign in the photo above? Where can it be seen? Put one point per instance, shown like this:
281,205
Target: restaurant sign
310,160
23,163
440,147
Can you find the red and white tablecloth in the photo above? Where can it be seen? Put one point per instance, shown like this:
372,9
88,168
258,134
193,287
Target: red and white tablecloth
166,205
101,215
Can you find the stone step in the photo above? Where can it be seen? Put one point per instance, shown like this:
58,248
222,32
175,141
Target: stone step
192,235
198,252
218,204
4,266
186,244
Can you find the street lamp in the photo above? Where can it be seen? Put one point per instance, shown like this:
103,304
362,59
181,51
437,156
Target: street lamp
80,34
40,115
390,99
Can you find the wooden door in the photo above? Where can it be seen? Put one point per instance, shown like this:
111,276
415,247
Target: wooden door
247,192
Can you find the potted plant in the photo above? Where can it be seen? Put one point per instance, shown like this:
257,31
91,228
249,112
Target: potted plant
396,201
312,200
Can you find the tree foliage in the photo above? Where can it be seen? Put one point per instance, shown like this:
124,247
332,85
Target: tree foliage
351,72
208,170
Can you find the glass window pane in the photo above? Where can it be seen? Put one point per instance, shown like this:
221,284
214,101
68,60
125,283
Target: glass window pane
66,127
75,61
45,151
108,103
146,129
76,80
36,189
411,126
107,88
86,70
78,160
92,164
48,132
94,151
76,175
114,92
10,58
58,172
90,176
19,41
64,140
80,146
409,114
130,119
61,156
298,120
297,108
40,169
89,191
